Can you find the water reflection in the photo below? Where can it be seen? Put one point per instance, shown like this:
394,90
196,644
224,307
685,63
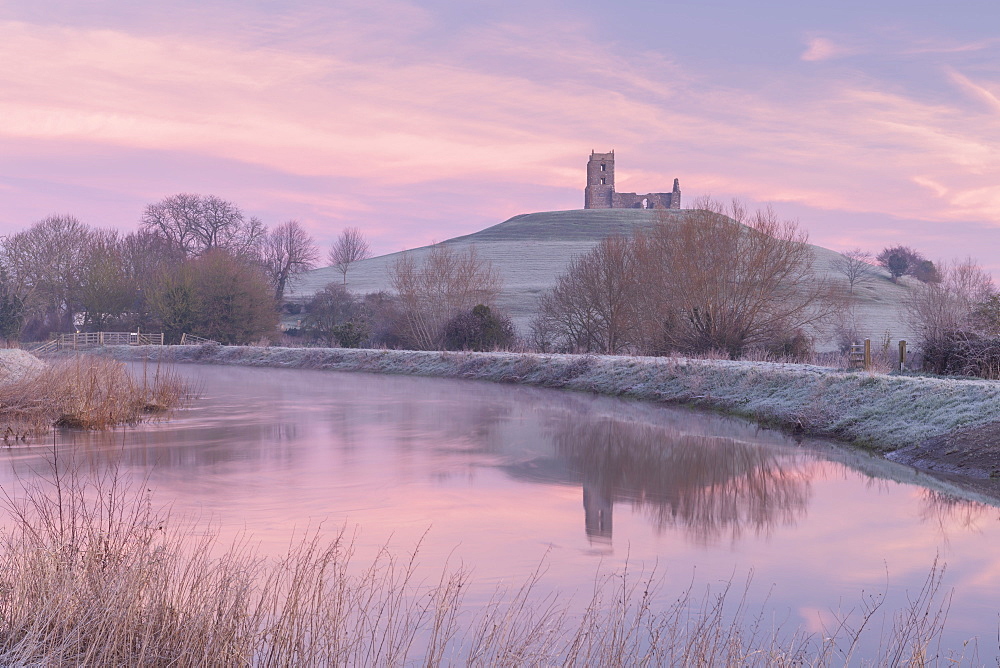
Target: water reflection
507,476
712,478
712,487
948,512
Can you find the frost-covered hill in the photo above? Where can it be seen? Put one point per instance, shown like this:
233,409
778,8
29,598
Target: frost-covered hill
531,250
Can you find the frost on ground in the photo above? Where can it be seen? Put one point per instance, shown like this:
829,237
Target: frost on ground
530,251
883,412
17,365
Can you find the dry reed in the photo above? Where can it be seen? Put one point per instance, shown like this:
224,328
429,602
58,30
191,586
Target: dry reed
86,392
91,574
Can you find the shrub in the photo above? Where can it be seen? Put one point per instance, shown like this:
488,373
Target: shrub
480,329
963,354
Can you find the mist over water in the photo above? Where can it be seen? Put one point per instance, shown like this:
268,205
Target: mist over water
504,479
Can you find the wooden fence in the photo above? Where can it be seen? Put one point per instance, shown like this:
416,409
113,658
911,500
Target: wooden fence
860,355
80,340
191,339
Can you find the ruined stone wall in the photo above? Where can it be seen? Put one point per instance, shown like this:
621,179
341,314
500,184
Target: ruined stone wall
647,201
600,191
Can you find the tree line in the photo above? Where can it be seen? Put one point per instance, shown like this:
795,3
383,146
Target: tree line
196,264
720,278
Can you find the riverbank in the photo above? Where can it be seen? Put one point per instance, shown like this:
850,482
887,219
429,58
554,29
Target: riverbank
937,424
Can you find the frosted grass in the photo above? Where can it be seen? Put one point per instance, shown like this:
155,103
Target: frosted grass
882,412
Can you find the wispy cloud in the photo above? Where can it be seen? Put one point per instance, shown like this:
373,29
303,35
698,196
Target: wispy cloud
976,91
823,48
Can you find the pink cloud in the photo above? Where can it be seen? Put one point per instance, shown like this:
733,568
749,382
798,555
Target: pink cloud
371,115
822,48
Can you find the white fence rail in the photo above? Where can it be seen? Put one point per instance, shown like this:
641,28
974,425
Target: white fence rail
191,339
79,340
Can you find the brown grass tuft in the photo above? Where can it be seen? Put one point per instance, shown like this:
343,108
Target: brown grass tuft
86,392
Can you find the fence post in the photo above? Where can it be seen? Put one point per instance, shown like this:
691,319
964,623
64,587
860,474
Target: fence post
902,355
868,354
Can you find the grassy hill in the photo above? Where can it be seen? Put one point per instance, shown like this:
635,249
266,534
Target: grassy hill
531,250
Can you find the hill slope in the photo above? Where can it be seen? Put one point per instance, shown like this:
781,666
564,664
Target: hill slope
531,250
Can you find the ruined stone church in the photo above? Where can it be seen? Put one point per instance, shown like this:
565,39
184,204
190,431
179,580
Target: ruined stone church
600,192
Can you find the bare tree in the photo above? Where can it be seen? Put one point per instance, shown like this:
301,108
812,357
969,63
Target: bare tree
197,224
11,309
725,279
106,291
446,283
350,247
948,306
855,266
146,257
948,316
45,264
715,279
594,302
287,250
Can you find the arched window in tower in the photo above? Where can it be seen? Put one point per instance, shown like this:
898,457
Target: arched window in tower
604,167
603,181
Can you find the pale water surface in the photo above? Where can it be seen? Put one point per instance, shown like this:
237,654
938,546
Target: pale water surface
501,479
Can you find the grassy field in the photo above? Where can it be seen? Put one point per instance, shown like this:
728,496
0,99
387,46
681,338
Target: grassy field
531,250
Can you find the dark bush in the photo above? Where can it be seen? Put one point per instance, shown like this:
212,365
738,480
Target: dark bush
479,329
925,272
350,334
796,346
335,317
899,260
963,354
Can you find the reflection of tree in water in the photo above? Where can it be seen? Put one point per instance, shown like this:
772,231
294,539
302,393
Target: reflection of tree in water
709,486
951,512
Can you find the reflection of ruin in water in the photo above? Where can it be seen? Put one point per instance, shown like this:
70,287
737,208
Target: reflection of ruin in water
708,477
709,486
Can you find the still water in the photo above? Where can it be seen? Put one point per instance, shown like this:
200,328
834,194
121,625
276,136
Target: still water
502,479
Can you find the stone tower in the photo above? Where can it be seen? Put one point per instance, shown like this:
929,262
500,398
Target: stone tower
600,190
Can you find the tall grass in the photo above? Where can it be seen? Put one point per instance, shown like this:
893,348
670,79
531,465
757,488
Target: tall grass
92,574
86,392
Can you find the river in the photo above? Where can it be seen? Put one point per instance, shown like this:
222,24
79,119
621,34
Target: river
505,480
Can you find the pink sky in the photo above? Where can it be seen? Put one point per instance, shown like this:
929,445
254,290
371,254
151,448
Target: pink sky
422,121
